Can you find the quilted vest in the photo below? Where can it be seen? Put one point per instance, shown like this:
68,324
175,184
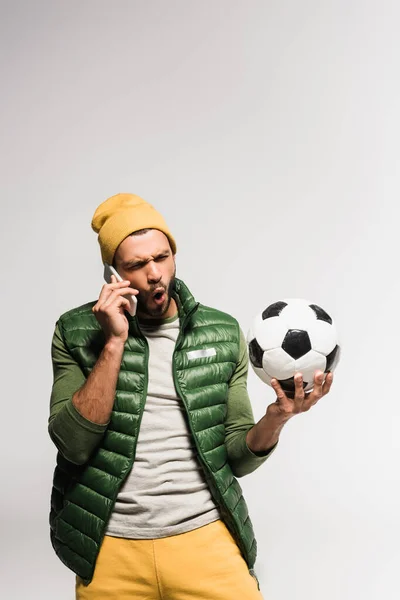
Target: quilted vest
83,496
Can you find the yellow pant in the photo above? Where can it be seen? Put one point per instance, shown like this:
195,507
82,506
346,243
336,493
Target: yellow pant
203,564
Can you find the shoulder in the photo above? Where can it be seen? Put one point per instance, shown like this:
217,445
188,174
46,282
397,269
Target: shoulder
80,315
213,316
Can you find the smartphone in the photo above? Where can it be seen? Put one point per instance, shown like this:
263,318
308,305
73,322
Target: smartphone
108,271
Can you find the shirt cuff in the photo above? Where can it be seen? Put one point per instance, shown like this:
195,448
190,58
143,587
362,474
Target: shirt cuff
82,421
262,454
244,460
75,436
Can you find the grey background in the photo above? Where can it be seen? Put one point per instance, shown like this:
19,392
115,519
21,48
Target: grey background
267,133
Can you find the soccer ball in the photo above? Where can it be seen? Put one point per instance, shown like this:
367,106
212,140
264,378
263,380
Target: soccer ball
293,336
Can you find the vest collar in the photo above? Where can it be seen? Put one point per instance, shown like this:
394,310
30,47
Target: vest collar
184,299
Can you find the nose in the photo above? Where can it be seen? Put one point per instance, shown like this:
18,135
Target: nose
153,274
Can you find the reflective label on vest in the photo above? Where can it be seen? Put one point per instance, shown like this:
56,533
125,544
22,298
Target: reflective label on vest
201,353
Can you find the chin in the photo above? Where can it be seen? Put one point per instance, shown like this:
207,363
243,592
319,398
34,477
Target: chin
164,307
159,311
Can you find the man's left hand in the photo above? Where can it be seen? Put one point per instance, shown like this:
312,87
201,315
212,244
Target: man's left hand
301,401
264,435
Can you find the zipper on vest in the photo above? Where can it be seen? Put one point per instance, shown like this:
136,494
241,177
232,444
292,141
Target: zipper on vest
203,460
144,395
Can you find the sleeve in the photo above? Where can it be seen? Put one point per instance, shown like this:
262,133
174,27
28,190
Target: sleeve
240,419
74,436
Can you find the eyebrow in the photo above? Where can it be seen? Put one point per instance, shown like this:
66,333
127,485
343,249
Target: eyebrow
133,262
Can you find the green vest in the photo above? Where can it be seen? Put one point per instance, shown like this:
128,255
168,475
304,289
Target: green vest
83,496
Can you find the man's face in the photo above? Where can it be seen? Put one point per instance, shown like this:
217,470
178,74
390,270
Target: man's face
146,260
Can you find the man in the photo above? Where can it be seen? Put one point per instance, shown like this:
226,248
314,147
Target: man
153,424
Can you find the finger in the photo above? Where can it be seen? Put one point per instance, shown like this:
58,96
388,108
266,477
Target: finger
318,382
316,393
105,293
299,393
125,303
114,293
110,313
118,293
281,399
108,288
113,307
327,383
107,296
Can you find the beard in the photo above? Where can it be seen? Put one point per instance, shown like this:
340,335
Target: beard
144,299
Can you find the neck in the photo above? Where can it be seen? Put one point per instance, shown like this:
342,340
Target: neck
172,310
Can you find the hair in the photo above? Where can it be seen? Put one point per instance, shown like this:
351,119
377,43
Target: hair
142,231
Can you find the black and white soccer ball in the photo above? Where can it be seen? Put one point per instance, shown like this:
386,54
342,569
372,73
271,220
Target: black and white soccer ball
293,336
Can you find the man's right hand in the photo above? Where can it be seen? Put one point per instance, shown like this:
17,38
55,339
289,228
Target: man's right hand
109,309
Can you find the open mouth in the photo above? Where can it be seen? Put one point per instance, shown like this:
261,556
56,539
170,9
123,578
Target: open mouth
159,296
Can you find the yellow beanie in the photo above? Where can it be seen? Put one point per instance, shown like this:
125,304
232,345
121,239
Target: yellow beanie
123,214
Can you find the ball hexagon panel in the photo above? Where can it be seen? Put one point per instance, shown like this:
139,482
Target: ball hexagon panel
269,333
262,375
277,363
323,337
309,363
297,314
250,335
